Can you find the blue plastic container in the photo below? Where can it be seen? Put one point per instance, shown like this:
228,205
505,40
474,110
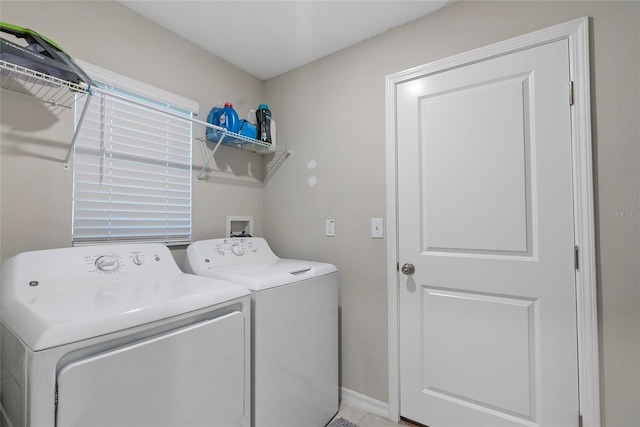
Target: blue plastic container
225,117
214,119
247,129
229,118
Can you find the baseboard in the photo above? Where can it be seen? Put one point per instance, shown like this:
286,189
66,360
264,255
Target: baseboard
363,402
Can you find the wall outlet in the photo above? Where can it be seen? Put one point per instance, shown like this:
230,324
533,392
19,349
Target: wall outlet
377,228
330,230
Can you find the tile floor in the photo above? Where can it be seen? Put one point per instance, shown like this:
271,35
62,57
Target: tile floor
361,418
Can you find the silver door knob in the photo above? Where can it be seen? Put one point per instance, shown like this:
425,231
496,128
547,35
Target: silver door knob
408,269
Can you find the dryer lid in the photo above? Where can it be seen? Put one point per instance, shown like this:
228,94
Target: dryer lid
55,297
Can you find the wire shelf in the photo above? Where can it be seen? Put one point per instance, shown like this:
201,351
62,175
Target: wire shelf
217,136
239,142
57,94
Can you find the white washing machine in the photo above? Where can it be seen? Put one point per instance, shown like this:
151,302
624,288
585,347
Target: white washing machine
294,328
117,335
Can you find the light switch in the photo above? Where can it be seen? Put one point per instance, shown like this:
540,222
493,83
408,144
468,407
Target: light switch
330,228
377,228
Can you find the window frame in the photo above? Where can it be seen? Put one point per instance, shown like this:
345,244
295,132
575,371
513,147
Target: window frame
165,158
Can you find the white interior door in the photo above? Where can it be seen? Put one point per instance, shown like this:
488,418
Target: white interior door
485,213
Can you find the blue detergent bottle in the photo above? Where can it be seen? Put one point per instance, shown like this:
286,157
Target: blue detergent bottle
225,117
229,118
214,119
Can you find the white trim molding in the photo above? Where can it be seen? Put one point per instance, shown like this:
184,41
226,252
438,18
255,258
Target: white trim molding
576,32
139,88
363,402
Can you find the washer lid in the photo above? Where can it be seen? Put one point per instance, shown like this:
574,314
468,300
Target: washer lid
250,262
262,276
49,298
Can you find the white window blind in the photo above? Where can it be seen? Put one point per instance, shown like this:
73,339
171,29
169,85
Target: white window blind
132,178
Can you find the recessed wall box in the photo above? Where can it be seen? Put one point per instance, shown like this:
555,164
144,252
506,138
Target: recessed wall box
239,226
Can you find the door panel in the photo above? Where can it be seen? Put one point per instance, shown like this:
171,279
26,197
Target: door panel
488,320
497,337
483,206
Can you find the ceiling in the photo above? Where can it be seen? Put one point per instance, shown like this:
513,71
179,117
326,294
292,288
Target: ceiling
267,38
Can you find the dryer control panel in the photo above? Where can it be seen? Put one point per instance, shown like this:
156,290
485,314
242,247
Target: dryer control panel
69,267
124,259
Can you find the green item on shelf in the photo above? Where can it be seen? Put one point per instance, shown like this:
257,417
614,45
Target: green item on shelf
41,54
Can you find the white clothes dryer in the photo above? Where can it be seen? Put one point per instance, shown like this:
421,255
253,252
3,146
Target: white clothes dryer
117,335
294,328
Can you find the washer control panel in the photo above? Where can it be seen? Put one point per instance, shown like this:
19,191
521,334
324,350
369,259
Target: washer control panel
235,247
205,254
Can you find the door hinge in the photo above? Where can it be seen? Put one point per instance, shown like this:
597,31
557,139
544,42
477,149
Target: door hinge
576,257
579,420
570,93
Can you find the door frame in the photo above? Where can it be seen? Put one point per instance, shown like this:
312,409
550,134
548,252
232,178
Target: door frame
577,34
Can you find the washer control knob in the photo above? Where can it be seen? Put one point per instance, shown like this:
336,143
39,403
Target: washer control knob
138,259
107,263
236,249
253,248
220,251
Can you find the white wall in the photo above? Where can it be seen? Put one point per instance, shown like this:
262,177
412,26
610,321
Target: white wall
36,192
332,113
